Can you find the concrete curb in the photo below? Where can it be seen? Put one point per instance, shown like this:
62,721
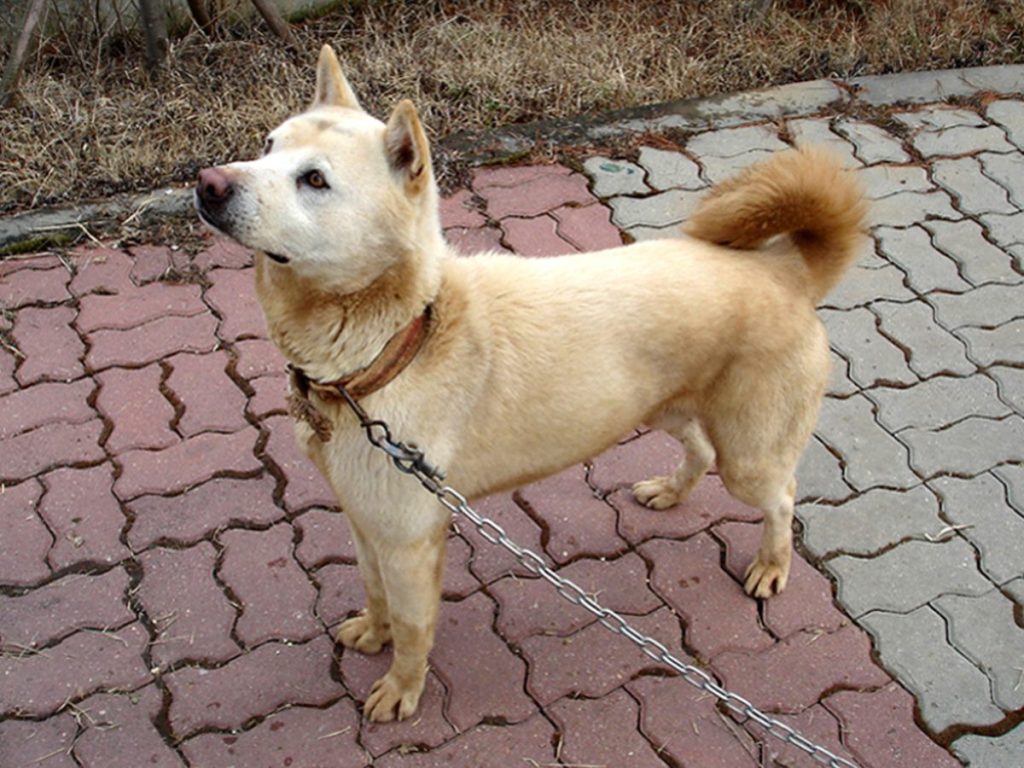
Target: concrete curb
690,115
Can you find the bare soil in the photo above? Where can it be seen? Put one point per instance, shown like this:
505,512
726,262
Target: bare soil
91,122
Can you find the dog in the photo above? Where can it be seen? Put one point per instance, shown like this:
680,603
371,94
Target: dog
508,369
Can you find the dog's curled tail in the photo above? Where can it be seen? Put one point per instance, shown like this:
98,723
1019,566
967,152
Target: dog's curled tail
805,193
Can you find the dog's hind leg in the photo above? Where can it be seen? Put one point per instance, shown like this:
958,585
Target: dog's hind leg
369,631
665,491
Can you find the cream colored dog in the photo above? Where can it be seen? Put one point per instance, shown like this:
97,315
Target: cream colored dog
510,369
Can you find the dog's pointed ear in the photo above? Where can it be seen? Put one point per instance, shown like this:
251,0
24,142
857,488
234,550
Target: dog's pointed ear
332,89
407,146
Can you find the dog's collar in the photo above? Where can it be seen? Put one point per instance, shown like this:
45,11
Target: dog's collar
392,360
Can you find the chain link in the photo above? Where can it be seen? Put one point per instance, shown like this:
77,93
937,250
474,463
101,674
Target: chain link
408,458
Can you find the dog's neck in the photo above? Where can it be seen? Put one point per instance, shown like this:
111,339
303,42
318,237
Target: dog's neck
329,334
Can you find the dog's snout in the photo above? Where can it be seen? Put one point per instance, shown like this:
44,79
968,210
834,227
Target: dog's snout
215,187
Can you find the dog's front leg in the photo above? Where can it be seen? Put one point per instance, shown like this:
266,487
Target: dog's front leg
371,629
411,574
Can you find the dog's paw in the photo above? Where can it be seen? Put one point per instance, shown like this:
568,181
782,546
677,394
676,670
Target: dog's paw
390,699
363,634
764,579
656,493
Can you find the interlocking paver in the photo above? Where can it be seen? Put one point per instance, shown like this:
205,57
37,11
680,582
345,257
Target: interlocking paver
966,448
881,181
460,210
85,517
269,396
615,177
978,260
100,269
1013,478
490,562
904,209
1009,113
939,119
840,658
35,286
233,296
537,236
818,132
718,169
62,607
984,630
949,688
300,736
864,284
959,140
119,732
991,750
873,358
870,522
151,341
731,142
603,732
1000,345
211,400
665,209
222,252
136,306
717,614
324,538
254,684
45,403
931,349
188,517
986,307
186,464
980,506
819,476
924,570
151,262
670,170
258,357
39,744
587,227
304,485
879,728
871,456
191,615
275,596
1011,385
510,192
51,348
927,268
974,192
1006,171
40,684
139,413
818,724
871,144
937,402
26,539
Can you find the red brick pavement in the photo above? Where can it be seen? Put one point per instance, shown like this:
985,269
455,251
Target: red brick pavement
171,567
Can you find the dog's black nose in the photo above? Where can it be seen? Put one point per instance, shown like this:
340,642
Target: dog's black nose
214,188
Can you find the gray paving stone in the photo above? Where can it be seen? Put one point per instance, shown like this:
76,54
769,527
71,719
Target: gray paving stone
871,144
1004,344
871,456
1005,230
732,142
1008,172
907,576
864,284
905,208
966,448
718,169
979,261
819,477
949,689
927,268
1011,385
1009,114
983,629
1015,589
670,170
974,191
660,210
873,358
953,142
615,177
870,522
937,118
935,86
839,383
987,306
816,131
1017,254
937,402
1013,479
993,526
881,181
932,349
653,233
991,751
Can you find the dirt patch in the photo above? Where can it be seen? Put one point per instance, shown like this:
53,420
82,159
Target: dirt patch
90,122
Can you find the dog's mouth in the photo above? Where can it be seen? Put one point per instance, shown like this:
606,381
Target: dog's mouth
277,257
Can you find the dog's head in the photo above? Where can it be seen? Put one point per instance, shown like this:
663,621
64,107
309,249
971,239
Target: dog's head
337,196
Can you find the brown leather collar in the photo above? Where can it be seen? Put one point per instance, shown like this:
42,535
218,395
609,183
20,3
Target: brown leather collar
392,360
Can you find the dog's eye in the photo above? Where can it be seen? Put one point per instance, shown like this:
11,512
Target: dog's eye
315,179
268,146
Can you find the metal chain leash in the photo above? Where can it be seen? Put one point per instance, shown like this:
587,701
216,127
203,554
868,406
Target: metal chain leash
408,458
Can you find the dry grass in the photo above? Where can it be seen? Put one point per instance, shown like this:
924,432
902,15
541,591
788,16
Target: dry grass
91,123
